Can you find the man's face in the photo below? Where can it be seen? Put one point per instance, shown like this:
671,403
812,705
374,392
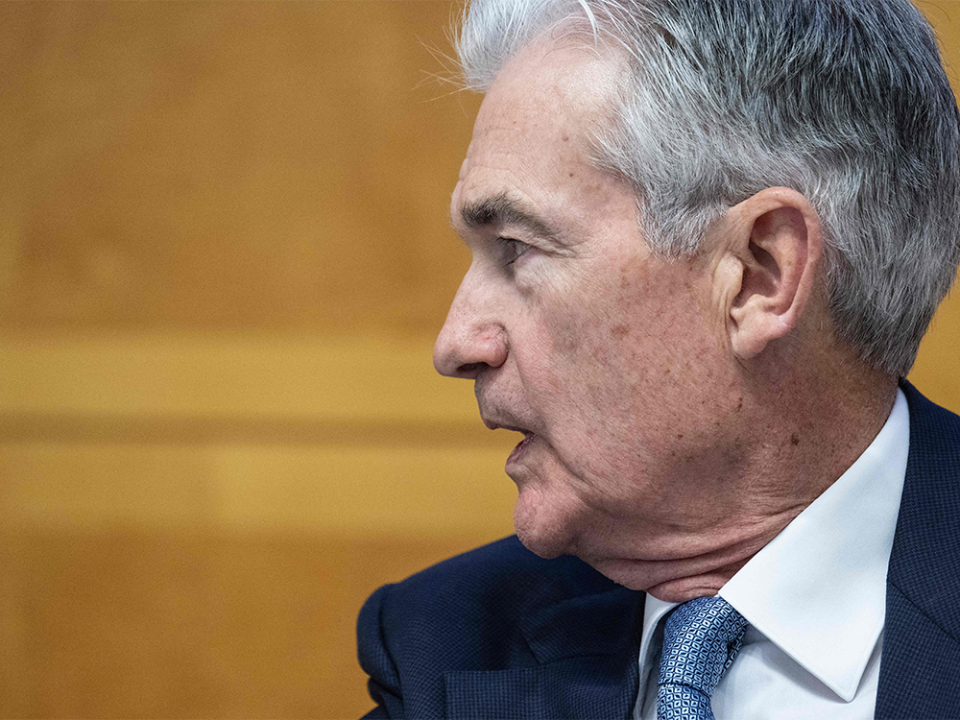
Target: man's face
606,357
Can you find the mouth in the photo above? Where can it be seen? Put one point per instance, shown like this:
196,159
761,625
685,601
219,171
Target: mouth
521,448
528,437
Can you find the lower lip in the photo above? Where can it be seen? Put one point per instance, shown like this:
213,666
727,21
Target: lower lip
521,448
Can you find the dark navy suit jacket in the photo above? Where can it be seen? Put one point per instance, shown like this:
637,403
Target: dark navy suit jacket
501,633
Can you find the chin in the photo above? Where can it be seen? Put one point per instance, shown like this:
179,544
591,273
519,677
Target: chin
541,532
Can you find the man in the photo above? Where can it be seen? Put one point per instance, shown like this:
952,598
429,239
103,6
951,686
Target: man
707,238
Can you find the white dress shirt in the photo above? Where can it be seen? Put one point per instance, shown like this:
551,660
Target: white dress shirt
814,598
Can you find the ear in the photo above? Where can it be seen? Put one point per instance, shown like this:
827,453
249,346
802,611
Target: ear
768,269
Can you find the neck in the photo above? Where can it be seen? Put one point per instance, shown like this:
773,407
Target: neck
798,436
809,427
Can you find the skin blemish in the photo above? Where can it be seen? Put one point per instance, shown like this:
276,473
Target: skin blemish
740,404
620,331
794,439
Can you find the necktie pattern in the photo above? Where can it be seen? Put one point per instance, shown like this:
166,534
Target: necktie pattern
701,638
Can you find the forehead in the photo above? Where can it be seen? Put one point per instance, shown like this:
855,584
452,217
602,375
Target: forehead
550,88
534,130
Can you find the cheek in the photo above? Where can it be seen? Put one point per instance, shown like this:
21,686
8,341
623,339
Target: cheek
599,339
589,366
625,354
579,350
657,327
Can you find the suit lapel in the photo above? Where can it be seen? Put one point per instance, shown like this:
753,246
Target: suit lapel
586,651
921,643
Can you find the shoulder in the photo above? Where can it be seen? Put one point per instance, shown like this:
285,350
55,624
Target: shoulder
922,623
499,607
933,430
503,572
493,585
932,484
928,527
925,560
466,613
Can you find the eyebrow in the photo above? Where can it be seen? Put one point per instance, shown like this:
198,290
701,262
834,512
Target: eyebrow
504,210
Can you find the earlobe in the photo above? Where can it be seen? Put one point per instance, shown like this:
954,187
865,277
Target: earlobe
776,243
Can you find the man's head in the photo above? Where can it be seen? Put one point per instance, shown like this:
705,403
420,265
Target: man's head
683,217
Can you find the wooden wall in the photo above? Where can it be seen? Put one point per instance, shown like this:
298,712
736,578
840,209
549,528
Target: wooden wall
224,254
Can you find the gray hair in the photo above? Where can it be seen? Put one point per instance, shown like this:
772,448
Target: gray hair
845,101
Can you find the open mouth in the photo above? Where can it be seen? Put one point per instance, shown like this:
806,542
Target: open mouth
518,451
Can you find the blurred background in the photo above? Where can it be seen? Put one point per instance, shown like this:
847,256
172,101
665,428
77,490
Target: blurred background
224,255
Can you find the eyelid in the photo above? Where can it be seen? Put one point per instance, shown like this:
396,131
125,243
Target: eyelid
513,248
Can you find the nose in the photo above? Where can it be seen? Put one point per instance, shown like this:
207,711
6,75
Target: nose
473,337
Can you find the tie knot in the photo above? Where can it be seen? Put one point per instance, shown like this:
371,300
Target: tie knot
700,640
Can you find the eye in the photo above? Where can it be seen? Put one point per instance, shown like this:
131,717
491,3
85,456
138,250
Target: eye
511,249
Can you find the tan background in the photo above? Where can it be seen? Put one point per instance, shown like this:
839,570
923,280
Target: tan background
223,256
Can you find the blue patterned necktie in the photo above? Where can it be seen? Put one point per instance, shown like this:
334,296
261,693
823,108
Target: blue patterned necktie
700,641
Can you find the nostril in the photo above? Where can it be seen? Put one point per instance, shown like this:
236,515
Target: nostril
470,369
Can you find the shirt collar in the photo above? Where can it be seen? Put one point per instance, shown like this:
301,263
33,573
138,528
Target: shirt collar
818,590
651,641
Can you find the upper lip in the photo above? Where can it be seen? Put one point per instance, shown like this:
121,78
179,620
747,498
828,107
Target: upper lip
500,421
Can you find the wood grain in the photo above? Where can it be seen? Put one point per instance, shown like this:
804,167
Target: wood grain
224,254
